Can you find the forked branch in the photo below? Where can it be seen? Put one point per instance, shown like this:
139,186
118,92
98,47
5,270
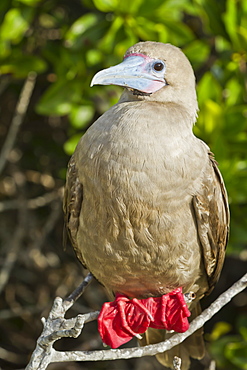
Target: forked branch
56,327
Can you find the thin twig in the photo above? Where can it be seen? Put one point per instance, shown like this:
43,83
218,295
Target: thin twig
69,301
10,356
18,118
14,246
19,312
4,82
34,203
54,215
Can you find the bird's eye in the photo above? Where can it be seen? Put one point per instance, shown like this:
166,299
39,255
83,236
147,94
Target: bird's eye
158,66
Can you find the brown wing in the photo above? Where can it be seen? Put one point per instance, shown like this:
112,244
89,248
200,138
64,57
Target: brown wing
212,216
72,202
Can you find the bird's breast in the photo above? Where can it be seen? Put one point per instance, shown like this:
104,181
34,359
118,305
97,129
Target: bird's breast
138,230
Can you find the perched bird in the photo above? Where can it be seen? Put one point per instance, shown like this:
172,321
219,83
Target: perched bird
145,204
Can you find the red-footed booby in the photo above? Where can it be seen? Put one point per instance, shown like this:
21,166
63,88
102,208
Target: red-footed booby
145,204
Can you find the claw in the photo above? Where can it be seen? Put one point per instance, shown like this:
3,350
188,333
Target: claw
138,336
143,308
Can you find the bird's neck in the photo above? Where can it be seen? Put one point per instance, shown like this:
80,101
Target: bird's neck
163,97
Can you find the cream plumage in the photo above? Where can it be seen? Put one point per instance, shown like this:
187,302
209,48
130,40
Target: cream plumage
145,204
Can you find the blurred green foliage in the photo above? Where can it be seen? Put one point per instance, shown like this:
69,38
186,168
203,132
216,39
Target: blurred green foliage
229,351
67,42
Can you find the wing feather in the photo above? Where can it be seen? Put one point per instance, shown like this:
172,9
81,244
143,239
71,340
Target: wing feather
212,216
72,203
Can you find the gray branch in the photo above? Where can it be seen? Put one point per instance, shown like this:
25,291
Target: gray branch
56,327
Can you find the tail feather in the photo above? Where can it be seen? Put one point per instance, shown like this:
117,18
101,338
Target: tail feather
193,346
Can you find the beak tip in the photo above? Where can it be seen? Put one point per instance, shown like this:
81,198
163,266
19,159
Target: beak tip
92,82
95,80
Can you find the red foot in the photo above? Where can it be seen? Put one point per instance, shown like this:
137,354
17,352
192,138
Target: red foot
119,321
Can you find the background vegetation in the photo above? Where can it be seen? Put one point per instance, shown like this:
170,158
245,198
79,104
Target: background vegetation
58,45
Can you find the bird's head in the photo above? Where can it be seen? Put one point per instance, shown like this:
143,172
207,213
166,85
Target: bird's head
153,71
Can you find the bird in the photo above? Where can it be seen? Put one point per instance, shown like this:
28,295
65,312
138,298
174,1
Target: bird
145,204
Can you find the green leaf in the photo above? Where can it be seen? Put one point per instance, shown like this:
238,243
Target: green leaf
86,32
197,52
242,319
107,42
236,353
20,65
106,5
147,8
214,10
211,114
219,329
70,145
80,26
14,25
130,7
81,115
217,350
94,57
243,329
208,88
234,121
5,49
143,28
59,98
178,35
233,92
243,34
231,21
29,2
